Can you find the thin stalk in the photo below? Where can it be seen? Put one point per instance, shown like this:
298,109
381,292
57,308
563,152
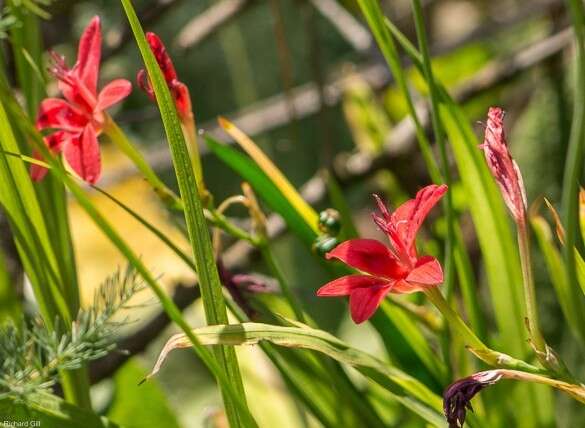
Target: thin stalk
119,138
454,320
529,291
439,133
576,151
167,196
284,285
190,132
210,285
473,343
221,221
374,16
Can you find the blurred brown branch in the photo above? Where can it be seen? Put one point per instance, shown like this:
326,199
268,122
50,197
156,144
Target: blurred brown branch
206,23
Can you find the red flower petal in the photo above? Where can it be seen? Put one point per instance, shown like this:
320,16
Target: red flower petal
346,284
370,256
404,287
113,93
427,271
162,57
59,114
54,142
89,55
83,155
413,212
363,302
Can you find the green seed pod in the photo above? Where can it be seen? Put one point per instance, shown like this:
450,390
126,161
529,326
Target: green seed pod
323,244
330,222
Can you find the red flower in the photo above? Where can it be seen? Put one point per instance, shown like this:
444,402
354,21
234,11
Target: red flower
78,119
395,269
503,167
179,90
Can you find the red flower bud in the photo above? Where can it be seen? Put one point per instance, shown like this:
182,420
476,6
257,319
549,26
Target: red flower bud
502,166
179,90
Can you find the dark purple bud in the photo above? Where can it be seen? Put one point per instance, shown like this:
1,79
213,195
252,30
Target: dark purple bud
240,285
457,397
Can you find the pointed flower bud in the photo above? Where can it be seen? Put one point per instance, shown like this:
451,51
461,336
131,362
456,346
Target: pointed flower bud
502,166
178,89
242,285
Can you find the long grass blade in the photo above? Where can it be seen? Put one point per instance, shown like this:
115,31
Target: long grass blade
210,285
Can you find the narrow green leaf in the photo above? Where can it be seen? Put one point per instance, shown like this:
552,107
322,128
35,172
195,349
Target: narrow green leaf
575,153
157,232
263,186
211,290
417,341
414,395
573,309
272,171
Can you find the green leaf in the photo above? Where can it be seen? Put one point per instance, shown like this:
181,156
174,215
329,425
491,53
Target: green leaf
573,168
211,289
417,341
273,173
157,232
48,411
9,304
410,392
263,186
573,309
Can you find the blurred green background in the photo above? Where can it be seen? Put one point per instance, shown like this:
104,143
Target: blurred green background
305,80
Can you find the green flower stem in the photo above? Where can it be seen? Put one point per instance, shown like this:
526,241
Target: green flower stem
190,132
454,320
529,292
216,218
473,343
